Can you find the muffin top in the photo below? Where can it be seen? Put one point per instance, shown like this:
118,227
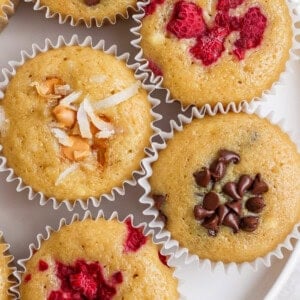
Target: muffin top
98,260
87,9
74,123
5,272
226,50
232,195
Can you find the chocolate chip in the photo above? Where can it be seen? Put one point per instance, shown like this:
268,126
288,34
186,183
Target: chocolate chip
229,156
230,189
244,184
249,224
200,213
159,200
222,212
211,201
203,177
259,185
255,204
236,206
211,224
232,221
91,2
218,170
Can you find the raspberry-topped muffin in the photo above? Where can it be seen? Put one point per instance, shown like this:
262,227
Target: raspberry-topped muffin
98,260
74,123
229,199
225,50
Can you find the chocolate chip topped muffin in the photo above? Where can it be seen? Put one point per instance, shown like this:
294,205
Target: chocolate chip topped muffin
74,123
226,50
233,194
98,260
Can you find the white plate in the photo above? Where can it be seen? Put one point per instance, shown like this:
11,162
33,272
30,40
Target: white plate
21,220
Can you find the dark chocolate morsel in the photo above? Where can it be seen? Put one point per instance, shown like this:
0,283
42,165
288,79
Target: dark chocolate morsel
230,189
211,223
249,224
201,213
223,210
236,206
91,2
229,156
259,186
232,221
218,170
202,178
159,200
244,184
211,201
255,204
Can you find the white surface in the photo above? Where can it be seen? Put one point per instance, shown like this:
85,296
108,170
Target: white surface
21,220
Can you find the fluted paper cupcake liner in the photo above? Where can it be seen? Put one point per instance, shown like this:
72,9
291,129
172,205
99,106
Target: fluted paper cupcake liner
7,10
172,247
10,259
63,19
33,247
61,42
294,10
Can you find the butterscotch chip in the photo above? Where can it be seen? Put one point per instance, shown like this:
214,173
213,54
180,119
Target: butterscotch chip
64,116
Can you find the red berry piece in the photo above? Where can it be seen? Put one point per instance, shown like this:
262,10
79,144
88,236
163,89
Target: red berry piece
163,259
135,238
27,278
43,266
186,21
155,68
225,5
85,284
151,7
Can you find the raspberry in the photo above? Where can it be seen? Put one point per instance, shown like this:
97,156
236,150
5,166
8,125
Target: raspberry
117,278
85,284
43,266
225,5
186,21
27,278
106,292
163,259
135,238
210,46
155,68
253,25
151,7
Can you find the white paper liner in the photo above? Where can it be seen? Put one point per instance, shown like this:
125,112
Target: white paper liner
10,260
8,9
172,247
147,231
63,19
61,42
294,9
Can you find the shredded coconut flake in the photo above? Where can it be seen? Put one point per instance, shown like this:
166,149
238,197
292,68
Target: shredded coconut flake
43,90
104,134
117,98
67,101
65,173
62,137
83,122
3,121
100,124
98,78
62,90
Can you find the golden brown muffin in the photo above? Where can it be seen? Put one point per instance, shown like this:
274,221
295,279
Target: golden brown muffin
98,260
7,8
75,123
89,9
225,52
232,195
5,271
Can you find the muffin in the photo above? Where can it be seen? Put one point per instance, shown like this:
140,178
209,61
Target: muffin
7,8
98,260
88,10
5,271
74,123
232,195
227,51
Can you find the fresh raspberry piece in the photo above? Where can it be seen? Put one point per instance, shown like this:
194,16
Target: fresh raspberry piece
43,266
151,7
210,46
135,238
186,21
155,68
253,26
85,284
117,278
106,292
163,259
225,5
27,278
222,19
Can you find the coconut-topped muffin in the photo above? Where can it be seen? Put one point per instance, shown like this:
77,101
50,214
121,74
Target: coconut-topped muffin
74,123
98,260
88,10
225,50
232,195
7,8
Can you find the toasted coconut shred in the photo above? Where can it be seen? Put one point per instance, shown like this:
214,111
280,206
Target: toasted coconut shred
3,122
75,136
